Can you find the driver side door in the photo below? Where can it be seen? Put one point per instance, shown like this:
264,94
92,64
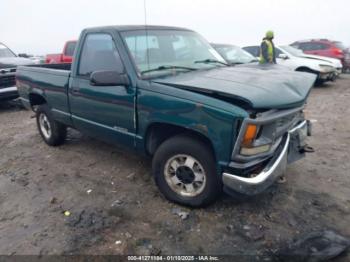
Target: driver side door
106,112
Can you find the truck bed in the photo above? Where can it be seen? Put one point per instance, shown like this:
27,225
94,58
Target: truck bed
50,81
61,66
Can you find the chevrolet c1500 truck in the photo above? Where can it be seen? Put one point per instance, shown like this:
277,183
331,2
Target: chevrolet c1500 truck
166,92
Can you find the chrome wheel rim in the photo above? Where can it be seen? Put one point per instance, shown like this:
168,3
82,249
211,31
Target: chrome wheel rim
45,126
185,175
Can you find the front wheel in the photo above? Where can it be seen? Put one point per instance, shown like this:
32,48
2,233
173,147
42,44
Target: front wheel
185,171
52,132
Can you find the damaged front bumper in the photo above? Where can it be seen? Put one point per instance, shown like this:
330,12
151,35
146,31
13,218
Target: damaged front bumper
289,150
330,76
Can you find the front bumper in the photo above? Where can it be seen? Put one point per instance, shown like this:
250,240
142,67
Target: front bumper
288,151
329,76
8,93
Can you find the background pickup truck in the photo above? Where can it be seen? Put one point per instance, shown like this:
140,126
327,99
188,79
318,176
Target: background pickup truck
65,57
167,93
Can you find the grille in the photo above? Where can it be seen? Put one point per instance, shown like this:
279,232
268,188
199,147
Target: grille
285,120
7,81
285,123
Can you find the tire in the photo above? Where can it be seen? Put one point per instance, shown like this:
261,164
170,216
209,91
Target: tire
52,132
193,161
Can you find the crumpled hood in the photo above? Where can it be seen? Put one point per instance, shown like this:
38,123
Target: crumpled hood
260,86
333,61
11,62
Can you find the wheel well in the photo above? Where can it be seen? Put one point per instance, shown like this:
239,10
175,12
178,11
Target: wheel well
306,69
157,133
36,99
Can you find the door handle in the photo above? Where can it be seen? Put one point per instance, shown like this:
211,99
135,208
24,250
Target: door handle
75,90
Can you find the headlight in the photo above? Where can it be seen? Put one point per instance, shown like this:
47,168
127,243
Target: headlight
246,151
326,68
248,147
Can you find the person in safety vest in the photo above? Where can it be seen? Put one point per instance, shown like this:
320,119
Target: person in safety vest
267,49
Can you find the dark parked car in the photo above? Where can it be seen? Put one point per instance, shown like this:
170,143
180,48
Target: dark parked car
234,55
8,64
166,93
325,47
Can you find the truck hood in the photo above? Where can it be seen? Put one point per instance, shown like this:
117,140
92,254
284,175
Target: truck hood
251,86
11,62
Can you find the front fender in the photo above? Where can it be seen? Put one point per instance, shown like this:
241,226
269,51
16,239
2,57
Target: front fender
219,126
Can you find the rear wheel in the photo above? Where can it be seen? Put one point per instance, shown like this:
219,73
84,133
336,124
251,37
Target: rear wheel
185,171
52,132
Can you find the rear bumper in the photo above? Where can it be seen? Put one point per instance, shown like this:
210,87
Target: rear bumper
8,93
273,169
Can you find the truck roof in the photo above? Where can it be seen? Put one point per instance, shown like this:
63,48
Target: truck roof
137,27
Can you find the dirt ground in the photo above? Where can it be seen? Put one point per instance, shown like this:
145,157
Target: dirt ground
115,207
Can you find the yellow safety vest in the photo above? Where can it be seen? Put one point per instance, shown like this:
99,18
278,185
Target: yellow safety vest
269,53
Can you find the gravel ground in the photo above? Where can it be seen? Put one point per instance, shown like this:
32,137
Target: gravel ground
115,207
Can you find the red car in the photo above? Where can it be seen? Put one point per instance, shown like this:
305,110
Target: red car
65,57
325,47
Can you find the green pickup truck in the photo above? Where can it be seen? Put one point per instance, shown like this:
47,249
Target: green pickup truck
165,92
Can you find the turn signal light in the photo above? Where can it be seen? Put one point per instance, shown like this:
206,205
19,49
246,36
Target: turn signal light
249,135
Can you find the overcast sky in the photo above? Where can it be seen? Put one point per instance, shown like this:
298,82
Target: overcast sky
42,26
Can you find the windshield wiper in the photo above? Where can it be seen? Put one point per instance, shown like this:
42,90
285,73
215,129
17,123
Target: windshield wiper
168,67
210,61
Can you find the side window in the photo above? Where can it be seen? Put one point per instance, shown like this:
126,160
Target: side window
317,46
99,53
309,46
314,46
304,46
278,52
323,46
253,50
70,48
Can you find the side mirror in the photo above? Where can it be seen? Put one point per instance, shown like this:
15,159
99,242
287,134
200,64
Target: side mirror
24,55
109,78
283,56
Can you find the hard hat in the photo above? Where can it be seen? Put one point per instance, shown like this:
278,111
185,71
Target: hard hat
269,34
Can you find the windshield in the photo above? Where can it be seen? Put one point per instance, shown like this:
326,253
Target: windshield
235,54
5,52
292,50
170,50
